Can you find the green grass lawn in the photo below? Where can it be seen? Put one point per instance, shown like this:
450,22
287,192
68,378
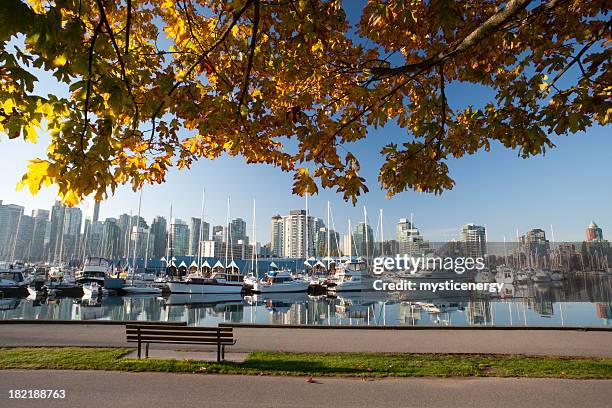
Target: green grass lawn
316,364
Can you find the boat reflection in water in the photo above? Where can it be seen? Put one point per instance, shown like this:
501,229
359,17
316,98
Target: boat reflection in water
580,300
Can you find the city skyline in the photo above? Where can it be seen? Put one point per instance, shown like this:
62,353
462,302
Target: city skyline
24,236
90,211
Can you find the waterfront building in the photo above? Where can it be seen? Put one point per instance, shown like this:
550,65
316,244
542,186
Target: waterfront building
93,243
24,239
321,242
194,234
294,235
534,243
593,232
237,231
10,216
37,246
96,212
409,239
159,236
265,251
218,233
220,250
473,239
276,242
110,247
348,245
391,247
363,235
180,237
141,241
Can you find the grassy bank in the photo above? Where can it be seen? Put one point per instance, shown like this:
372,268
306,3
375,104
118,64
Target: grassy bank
302,364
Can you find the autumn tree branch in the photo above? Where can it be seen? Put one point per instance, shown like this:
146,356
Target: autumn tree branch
490,26
90,58
199,61
247,74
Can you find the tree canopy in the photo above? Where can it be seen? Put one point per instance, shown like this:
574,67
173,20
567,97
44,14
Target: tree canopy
161,83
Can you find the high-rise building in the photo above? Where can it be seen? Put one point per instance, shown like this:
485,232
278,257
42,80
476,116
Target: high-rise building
594,233
94,234
180,237
363,235
348,248
141,242
159,234
535,244
294,235
194,235
276,242
237,231
474,241
24,238
10,216
321,242
96,212
72,234
37,247
218,233
409,239
111,237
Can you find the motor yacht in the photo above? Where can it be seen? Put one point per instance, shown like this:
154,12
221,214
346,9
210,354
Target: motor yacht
281,281
225,281
353,276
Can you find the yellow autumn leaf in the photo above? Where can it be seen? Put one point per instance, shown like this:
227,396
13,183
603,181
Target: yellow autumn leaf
30,134
60,60
318,46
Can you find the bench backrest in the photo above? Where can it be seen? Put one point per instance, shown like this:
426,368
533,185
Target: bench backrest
179,334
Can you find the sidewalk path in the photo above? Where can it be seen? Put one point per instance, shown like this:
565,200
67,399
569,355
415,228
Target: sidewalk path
113,389
532,342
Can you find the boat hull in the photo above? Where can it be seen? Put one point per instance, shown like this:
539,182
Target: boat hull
293,287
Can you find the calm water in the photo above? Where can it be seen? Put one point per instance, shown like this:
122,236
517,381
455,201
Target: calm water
583,300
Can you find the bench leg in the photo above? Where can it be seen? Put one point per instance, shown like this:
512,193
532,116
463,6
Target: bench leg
147,351
139,348
218,352
223,352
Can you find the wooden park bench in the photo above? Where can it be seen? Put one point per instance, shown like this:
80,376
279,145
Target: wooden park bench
173,334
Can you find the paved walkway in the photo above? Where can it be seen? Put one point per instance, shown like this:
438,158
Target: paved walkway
113,389
533,342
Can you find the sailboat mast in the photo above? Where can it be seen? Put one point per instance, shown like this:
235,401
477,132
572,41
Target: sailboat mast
365,229
256,274
147,250
306,243
201,234
137,234
129,240
328,238
254,242
227,228
382,235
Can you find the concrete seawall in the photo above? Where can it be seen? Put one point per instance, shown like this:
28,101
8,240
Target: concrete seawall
491,341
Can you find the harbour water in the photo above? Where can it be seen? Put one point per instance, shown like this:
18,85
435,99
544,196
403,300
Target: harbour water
581,300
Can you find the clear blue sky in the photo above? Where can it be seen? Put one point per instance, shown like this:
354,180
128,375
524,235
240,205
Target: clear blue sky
567,188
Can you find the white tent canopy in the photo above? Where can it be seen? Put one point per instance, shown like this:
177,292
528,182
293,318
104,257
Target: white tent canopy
233,265
218,265
205,264
193,264
183,265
